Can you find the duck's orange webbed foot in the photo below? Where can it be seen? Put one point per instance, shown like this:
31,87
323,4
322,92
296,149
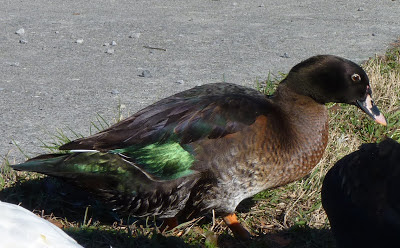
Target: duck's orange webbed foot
237,229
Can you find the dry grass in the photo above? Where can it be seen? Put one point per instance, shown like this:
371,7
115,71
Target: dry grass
290,216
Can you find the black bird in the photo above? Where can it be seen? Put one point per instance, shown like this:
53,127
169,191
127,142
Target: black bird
360,195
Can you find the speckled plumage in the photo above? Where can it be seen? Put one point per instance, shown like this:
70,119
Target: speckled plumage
261,159
360,196
234,142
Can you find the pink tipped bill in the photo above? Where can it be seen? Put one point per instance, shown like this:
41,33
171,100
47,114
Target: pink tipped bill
371,109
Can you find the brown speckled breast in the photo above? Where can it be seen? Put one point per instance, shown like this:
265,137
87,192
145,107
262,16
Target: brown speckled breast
298,151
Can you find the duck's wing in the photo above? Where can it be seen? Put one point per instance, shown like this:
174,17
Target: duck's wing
159,139
124,185
209,111
147,161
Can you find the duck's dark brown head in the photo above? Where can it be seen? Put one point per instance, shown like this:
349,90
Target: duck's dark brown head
328,78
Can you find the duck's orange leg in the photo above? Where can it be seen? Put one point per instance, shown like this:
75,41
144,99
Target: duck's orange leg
169,223
237,229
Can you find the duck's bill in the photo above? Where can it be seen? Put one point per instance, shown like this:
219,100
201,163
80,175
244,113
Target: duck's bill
371,109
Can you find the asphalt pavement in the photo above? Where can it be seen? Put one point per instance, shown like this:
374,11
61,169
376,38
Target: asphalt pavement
63,63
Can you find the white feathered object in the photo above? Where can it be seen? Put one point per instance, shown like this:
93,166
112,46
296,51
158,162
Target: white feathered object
20,228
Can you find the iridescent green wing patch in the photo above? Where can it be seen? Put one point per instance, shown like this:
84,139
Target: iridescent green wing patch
166,161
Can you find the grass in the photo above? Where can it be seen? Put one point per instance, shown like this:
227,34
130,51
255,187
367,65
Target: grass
290,216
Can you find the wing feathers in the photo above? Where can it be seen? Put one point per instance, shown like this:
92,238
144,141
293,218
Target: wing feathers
186,117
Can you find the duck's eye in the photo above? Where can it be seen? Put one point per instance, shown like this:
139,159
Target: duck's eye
355,77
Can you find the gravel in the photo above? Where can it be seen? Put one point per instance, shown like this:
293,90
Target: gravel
20,31
110,51
114,92
145,74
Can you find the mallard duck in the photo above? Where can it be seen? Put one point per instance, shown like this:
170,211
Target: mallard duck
210,147
20,228
360,196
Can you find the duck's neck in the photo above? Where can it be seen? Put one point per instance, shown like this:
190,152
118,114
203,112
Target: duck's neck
301,111
308,124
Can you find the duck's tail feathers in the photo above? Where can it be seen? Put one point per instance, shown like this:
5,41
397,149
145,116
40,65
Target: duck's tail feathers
42,164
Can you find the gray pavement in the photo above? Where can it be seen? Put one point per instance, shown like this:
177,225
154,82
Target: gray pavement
60,72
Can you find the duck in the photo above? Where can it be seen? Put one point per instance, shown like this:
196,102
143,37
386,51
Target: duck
360,196
210,147
20,228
